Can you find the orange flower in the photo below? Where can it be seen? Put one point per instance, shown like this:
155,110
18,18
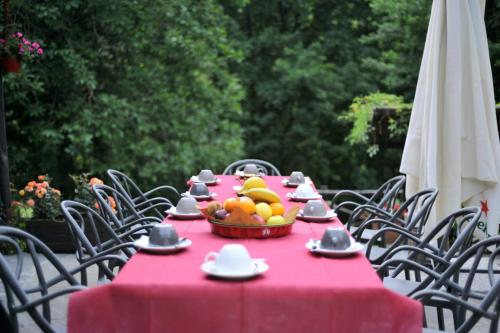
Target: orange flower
112,202
28,188
44,184
56,192
41,178
30,202
95,180
32,183
40,192
96,205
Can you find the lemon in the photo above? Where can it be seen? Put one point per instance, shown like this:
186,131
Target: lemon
276,220
254,182
264,210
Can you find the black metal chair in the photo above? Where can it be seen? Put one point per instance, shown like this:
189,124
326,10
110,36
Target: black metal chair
433,251
36,299
386,196
412,215
123,214
467,303
264,167
93,237
141,200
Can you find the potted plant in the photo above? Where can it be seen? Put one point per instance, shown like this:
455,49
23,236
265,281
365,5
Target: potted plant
38,211
15,48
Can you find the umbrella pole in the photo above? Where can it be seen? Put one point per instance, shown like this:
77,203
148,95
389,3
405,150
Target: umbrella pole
4,159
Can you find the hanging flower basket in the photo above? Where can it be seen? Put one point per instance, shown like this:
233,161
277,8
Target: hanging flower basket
11,65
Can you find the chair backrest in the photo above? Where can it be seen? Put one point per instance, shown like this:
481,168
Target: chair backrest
22,295
264,167
461,292
460,224
91,233
412,214
387,194
114,206
416,210
125,185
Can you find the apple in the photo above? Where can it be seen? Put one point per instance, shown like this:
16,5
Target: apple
259,219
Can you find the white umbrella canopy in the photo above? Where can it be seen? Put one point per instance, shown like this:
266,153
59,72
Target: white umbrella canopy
452,142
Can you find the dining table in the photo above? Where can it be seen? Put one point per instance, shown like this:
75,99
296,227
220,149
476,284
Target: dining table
301,291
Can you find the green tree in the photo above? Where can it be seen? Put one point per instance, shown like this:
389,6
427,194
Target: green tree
143,87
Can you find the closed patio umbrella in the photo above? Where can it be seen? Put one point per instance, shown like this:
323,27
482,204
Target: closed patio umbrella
452,141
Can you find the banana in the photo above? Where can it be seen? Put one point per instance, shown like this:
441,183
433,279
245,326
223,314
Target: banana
262,194
254,182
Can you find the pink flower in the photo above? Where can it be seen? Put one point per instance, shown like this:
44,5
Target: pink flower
19,34
35,45
21,50
2,40
39,51
26,42
30,202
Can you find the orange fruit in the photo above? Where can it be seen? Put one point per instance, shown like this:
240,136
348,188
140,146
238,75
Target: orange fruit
231,203
247,205
277,208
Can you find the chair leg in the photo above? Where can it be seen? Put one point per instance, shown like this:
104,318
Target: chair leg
440,318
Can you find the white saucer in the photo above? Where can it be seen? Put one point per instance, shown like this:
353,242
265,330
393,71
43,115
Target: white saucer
183,216
200,197
314,247
330,214
287,183
242,174
292,197
143,244
259,267
211,182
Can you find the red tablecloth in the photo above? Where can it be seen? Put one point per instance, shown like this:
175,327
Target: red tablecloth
299,293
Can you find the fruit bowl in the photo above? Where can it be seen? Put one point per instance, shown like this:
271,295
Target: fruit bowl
249,231
241,225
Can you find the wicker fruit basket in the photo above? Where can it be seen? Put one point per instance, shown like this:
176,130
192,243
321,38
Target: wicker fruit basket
249,231
241,225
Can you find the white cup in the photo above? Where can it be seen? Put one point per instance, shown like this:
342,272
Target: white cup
304,191
187,205
314,208
206,176
297,177
232,258
251,169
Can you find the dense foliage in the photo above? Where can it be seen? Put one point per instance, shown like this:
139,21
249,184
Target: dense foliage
161,89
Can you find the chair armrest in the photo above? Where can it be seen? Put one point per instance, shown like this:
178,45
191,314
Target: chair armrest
131,232
89,262
380,234
349,193
412,264
359,232
151,201
96,260
160,205
418,250
110,250
47,298
140,220
422,295
160,188
373,210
